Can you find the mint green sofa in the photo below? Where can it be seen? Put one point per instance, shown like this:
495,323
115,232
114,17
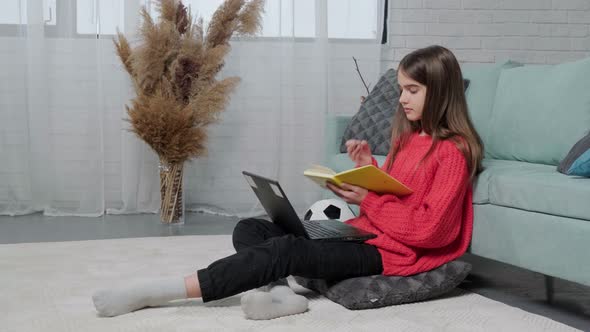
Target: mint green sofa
525,213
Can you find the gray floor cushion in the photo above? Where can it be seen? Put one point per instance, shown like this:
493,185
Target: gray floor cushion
380,291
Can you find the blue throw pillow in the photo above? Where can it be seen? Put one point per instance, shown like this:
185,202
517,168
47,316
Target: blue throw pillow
577,161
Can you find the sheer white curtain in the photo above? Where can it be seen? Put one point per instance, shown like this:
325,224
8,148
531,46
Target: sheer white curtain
65,149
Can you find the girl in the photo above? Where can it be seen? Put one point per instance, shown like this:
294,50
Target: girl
435,151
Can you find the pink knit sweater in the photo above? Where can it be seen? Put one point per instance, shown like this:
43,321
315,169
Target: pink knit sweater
429,227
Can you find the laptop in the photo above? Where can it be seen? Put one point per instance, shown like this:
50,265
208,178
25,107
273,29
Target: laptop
281,212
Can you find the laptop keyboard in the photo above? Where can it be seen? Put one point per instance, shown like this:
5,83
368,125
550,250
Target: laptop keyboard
315,230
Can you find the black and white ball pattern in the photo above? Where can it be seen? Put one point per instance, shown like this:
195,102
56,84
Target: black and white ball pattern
329,209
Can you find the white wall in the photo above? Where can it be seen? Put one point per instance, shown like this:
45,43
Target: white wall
528,31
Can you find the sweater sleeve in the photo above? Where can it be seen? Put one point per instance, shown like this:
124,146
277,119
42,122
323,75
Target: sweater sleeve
373,162
436,220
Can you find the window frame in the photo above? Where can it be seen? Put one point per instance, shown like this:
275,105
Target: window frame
62,31
18,29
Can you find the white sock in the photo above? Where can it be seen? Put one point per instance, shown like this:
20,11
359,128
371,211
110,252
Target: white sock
123,299
280,301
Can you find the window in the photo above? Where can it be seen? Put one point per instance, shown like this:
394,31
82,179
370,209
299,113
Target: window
14,12
100,17
354,19
281,18
289,18
347,19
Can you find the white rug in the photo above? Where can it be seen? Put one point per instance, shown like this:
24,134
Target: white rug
48,287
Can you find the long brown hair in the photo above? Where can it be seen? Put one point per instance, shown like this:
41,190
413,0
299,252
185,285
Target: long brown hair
445,114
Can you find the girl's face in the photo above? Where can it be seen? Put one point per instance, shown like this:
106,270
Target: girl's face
412,96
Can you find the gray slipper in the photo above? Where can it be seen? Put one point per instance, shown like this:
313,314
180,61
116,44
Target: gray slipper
280,301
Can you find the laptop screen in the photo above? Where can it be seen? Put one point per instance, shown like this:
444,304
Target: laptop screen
276,204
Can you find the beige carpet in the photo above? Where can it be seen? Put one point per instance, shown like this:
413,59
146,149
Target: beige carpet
48,287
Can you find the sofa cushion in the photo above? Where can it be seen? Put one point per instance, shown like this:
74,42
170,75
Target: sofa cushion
540,112
482,182
373,120
480,189
483,79
539,188
378,291
577,161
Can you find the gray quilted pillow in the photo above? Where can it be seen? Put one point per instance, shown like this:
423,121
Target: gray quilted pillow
372,122
380,291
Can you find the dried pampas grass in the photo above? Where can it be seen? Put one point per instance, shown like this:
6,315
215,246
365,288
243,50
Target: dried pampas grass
173,70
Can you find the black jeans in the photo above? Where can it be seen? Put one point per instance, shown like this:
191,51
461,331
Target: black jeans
264,253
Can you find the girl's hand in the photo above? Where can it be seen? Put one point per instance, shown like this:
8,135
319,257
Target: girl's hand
359,152
349,193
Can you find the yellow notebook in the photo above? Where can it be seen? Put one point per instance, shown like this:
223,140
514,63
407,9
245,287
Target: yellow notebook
368,177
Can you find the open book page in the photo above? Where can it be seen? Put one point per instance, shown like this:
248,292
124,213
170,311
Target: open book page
320,170
368,177
374,179
320,175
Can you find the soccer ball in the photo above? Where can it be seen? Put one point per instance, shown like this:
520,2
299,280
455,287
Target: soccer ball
329,209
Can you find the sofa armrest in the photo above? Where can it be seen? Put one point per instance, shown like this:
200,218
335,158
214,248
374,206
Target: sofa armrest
335,126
